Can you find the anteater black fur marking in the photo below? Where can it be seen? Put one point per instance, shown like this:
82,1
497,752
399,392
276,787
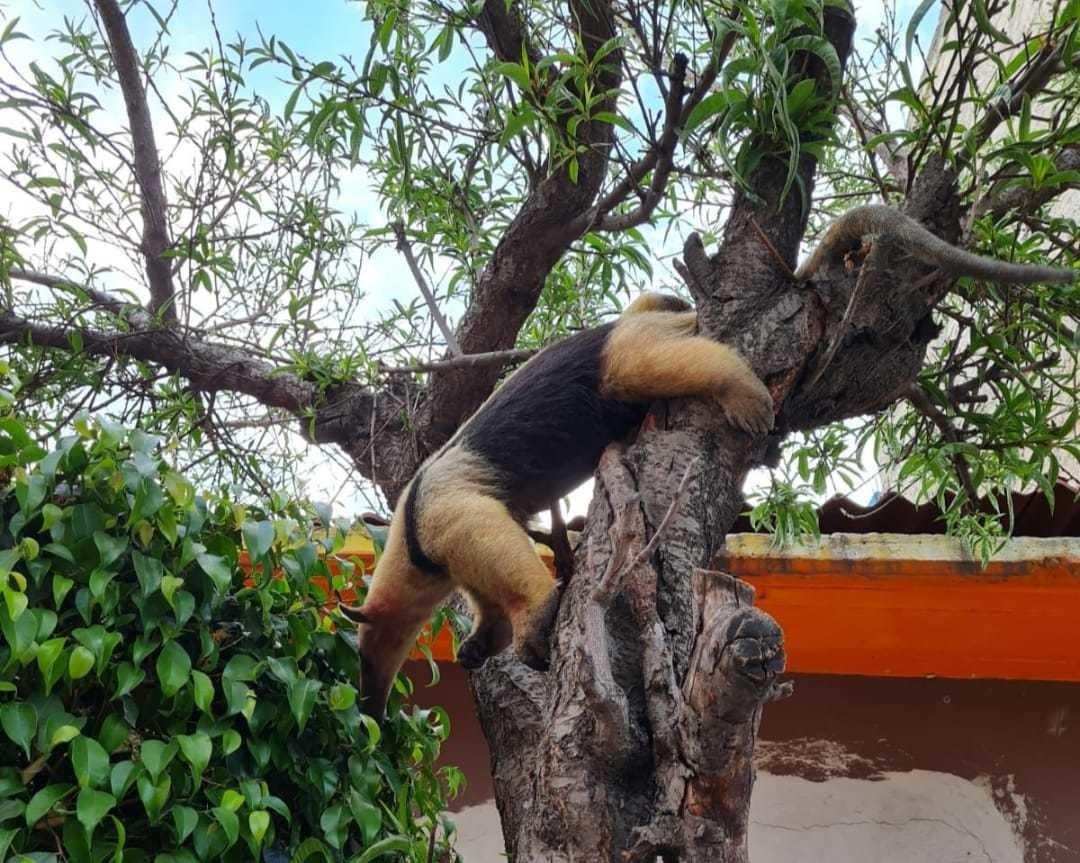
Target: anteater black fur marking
545,428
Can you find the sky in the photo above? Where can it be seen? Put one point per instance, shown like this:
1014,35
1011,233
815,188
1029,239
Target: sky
328,29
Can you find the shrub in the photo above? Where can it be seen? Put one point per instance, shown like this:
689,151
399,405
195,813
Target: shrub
156,707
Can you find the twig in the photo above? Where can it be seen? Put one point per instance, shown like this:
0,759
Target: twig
431,844
114,304
146,161
465,361
609,581
784,265
405,248
922,403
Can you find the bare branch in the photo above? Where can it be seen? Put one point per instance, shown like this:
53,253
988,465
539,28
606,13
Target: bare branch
208,367
1027,82
405,248
465,361
896,167
1025,199
660,160
116,305
155,237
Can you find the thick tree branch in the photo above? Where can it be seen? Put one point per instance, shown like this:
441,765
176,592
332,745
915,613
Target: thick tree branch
503,27
465,361
147,164
208,367
544,228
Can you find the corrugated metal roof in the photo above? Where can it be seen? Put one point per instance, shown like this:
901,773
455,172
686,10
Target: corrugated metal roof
895,514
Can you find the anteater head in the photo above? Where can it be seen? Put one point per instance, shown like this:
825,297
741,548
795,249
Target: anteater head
384,640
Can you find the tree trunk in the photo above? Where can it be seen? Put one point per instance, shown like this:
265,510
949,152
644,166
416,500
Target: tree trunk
638,743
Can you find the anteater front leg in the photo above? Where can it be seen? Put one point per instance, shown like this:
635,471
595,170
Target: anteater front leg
646,358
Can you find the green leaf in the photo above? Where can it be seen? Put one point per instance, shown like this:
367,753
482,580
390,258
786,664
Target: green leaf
173,668
516,73
63,734
258,824
19,721
389,845
10,782
230,742
42,802
169,585
229,823
196,750
335,825
91,807
374,733
218,569
11,809
203,688
127,678
156,756
80,663
121,777
90,762
114,733
149,572
154,794
232,800
913,24
6,838
302,695
708,107
342,696
367,815
47,654
258,537
185,819
61,586
110,548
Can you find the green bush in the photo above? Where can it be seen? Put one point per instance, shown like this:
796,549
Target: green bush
153,707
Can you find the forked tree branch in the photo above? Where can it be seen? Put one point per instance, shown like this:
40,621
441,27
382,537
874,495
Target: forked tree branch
155,237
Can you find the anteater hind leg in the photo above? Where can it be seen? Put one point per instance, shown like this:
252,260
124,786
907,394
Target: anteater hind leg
489,555
645,360
491,633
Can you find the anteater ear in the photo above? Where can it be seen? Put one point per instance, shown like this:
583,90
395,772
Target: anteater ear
356,615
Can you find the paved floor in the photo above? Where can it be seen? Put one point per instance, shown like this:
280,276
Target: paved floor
915,817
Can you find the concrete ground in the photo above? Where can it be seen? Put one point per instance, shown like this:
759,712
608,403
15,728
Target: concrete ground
919,816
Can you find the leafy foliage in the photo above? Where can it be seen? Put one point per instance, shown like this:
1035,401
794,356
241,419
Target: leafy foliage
160,704
286,165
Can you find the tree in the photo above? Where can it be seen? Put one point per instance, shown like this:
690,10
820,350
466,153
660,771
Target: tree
529,154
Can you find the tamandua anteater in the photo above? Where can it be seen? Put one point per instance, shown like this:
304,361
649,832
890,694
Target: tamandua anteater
460,521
